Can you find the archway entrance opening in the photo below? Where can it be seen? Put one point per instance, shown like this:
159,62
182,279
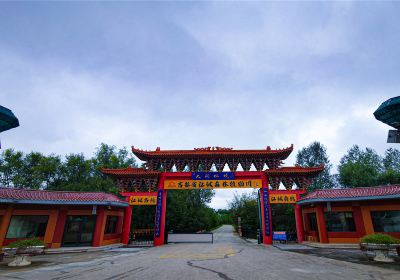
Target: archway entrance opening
284,221
189,211
142,225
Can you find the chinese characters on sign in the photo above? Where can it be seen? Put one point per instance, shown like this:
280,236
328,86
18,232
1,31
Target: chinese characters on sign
266,212
157,229
282,198
143,200
213,176
211,184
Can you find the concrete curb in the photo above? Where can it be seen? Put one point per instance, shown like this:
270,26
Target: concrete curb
331,245
65,250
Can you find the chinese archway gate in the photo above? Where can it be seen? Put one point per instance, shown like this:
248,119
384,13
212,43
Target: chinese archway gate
149,185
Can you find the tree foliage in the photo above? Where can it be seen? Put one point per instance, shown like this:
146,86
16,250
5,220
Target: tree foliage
314,155
74,172
365,168
245,206
283,218
187,211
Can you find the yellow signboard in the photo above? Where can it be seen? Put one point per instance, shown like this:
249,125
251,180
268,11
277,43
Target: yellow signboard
143,200
282,198
211,184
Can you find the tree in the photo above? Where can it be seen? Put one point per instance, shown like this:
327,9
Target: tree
245,206
108,156
31,174
391,167
315,155
360,168
187,211
283,218
50,169
75,172
11,166
391,161
224,217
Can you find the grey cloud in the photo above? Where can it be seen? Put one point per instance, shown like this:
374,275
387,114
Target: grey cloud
184,75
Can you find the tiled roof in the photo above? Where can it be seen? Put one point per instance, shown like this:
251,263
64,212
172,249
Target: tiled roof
370,193
129,171
10,195
295,171
279,153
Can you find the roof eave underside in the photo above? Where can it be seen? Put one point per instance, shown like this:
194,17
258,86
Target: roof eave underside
360,198
283,173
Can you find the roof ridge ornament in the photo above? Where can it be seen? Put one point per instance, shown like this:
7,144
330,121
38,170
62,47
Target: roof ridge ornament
216,148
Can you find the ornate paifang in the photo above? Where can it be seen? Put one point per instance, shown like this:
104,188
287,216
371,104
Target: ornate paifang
134,179
259,164
219,164
193,165
167,164
232,164
273,163
180,165
303,182
121,185
288,182
274,183
246,164
206,164
151,165
203,158
288,176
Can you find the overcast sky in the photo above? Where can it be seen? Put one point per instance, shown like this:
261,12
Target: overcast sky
185,75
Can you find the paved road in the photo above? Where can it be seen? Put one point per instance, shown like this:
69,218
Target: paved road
228,258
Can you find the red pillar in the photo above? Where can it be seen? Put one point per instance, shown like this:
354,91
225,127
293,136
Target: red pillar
99,229
127,225
359,221
60,225
299,222
266,217
322,232
5,222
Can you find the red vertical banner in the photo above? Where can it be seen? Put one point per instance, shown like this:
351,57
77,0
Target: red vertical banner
266,217
161,209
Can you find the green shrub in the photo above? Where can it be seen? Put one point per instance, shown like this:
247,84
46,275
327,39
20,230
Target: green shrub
379,238
20,244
